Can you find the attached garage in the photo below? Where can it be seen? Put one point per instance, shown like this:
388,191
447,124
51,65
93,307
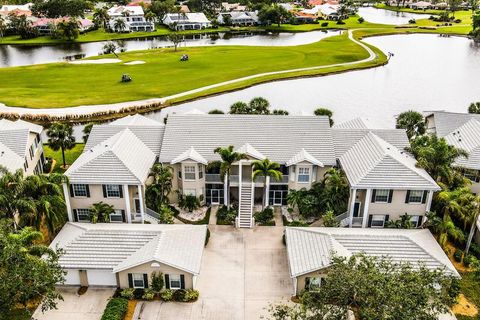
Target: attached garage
101,278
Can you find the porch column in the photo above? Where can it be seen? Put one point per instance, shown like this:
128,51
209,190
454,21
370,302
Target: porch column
128,212
352,206
66,195
368,196
225,191
267,191
239,184
429,200
140,199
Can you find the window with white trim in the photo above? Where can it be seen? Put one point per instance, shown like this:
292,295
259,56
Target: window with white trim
200,171
83,215
415,196
175,282
381,195
116,216
113,190
189,172
79,190
378,221
303,175
138,280
313,283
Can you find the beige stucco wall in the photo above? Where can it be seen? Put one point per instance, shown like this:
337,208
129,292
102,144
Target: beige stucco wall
475,187
301,279
32,163
148,269
316,175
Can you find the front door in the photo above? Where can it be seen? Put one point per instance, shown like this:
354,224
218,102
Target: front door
215,196
356,209
277,198
136,204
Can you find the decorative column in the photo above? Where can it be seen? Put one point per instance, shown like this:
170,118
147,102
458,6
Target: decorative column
225,191
128,212
352,206
267,190
368,197
240,163
66,195
140,199
429,200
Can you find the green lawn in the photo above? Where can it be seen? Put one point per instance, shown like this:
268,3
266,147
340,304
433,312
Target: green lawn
70,156
470,287
63,84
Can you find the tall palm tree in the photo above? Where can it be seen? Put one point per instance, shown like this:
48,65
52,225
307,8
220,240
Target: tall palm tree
460,203
336,190
157,192
412,122
229,157
266,169
60,137
119,25
150,16
445,229
101,211
100,16
13,199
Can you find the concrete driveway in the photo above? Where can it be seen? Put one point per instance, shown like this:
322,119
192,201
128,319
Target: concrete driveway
243,272
88,306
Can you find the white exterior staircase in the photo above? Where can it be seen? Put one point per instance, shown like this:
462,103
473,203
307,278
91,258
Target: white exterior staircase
245,208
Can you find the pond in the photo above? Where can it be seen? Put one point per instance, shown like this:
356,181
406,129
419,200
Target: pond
383,16
19,55
427,72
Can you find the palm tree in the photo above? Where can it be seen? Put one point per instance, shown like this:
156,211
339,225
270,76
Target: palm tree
267,169
336,190
229,157
3,27
100,16
86,131
295,197
119,25
101,211
150,16
60,137
473,226
444,228
474,107
157,192
239,107
412,122
324,112
259,105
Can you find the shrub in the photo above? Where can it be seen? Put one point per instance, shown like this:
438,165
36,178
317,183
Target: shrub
340,22
179,295
361,20
329,219
454,289
166,215
458,20
157,282
324,24
458,255
265,216
191,295
166,295
412,21
148,294
138,293
298,223
116,309
225,215
467,260
127,293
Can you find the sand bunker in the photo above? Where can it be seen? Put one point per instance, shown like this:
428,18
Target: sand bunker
131,63
99,61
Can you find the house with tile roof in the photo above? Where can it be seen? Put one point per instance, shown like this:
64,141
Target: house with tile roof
310,250
384,181
187,21
133,16
21,146
238,18
126,255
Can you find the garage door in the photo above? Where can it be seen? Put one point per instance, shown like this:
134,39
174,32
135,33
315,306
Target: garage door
101,278
72,278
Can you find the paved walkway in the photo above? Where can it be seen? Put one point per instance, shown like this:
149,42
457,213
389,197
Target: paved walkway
88,109
243,272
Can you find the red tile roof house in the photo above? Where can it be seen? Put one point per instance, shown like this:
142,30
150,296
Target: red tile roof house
44,24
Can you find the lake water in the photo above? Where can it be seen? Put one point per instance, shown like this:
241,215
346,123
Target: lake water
15,55
427,72
382,16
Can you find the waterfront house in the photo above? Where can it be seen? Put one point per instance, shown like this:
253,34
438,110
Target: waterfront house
186,21
310,251
231,7
384,181
238,18
21,146
303,17
126,255
133,16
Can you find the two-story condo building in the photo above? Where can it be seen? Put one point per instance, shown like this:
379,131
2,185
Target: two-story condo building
187,21
133,16
384,181
21,146
238,18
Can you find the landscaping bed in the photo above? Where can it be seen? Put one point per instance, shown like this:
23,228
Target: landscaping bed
203,220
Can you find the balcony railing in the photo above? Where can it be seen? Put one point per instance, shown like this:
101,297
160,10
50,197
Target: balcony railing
284,180
210,177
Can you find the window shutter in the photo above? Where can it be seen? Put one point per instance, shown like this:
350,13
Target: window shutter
167,281
407,197
387,217
182,281
420,221
71,191
424,198
120,189
75,217
374,193
390,196
88,190
145,280
123,216
370,217
104,188
130,280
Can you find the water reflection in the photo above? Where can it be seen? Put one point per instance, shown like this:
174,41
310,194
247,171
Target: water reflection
382,16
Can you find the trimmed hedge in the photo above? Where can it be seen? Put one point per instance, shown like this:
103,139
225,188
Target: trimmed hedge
116,309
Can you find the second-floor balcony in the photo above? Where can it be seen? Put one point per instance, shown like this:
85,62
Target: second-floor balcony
216,178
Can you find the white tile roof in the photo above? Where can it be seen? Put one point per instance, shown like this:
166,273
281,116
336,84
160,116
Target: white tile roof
362,123
467,137
374,163
278,138
190,154
135,120
117,11
9,159
447,122
250,151
20,124
310,249
119,247
121,159
302,156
